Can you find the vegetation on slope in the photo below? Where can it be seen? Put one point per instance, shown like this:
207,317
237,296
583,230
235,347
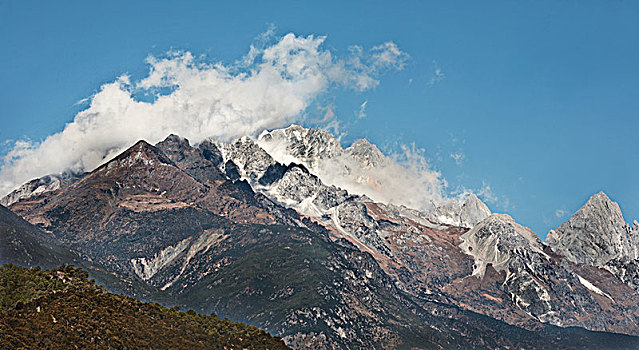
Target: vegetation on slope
62,309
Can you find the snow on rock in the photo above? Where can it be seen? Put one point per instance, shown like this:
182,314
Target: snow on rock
593,288
297,144
516,250
462,214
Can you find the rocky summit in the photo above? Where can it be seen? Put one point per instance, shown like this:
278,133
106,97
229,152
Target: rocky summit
596,234
262,231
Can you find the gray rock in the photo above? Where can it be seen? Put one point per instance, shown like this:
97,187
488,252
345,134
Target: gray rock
596,234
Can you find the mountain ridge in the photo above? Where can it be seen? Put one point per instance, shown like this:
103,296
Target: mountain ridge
190,219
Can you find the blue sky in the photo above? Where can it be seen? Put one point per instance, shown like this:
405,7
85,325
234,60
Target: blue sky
539,100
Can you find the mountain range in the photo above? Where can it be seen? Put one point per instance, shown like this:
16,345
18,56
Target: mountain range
293,233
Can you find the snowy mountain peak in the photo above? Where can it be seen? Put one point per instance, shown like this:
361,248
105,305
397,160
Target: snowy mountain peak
601,203
297,144
252,160
366,153
595,234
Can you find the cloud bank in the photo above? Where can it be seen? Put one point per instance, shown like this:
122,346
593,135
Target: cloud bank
268,88
402,176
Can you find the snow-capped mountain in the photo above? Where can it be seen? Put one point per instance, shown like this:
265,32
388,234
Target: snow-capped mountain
361,169
540,283
531,278
188,220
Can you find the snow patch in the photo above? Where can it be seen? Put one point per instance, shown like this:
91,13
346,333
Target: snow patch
593,288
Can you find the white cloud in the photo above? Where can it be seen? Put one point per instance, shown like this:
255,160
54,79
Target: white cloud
329,113
269,87
560,213
403,177
437,76
361,114
458,158
487,194
388,55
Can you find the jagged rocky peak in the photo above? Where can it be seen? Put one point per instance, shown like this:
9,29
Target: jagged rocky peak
175,147
39,186
175,141
300,145
595,234
251,159
366,154
500,241
200,162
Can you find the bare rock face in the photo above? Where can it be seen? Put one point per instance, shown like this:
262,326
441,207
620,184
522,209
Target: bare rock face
201,162
502,243
508,247
627,270
596,234
548,287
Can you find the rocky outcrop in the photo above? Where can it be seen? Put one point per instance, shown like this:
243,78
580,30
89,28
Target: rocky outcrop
544,285
504,244
598,235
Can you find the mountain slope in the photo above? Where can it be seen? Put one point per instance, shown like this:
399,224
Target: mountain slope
61,309
25,245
